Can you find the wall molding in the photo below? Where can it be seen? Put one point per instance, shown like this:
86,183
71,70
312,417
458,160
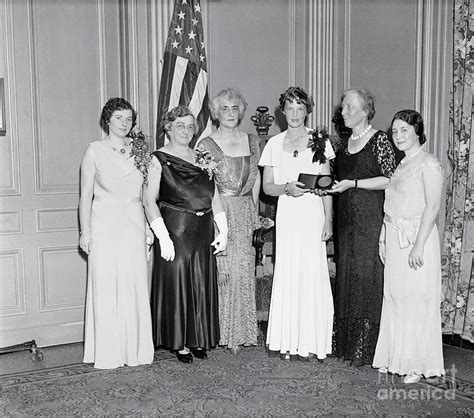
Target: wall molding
101,41
321,59
11,222
19,305
292,46
11,114
45,302
59,214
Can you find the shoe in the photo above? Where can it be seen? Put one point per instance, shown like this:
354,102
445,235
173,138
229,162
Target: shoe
357,362
184,358
199,353
236,350
285,356
320,360
383,370
411,378
273,353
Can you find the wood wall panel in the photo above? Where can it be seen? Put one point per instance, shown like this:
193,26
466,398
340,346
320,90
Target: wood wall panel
55,220
9,161
11,222
12,296
66,89
62,277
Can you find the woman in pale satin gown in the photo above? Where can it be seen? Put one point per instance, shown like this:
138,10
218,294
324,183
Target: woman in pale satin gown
409,341
113,235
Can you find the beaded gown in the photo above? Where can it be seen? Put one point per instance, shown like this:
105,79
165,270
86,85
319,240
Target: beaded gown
184,299
118,321
359,271
410,329
236,268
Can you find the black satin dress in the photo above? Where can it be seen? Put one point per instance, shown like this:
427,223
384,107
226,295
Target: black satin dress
184,301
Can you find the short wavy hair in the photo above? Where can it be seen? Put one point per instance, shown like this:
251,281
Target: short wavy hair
299,95
367,100
116,103
173,114
231,95
413,118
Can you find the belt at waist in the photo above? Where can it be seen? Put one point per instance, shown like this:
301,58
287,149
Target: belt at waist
180,209
117,200
407,229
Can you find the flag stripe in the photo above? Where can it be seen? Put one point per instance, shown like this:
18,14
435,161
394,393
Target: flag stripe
180,70
184,78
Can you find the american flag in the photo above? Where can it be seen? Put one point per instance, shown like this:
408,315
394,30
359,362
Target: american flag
184,75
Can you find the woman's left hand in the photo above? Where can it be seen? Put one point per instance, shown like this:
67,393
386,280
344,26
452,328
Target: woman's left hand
341,186
220,243
415,259
327,230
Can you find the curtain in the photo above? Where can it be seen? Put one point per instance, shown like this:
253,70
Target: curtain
457,306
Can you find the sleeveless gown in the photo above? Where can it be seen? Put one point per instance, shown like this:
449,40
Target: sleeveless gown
301,307
236,269
118,322
184,299
410,328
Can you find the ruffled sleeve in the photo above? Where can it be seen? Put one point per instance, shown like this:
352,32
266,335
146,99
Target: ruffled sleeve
385,154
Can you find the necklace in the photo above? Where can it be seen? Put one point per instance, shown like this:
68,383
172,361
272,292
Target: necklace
293,140
356,137
122,150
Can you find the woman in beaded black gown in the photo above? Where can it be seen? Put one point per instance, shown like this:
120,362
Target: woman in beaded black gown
182,203
363,168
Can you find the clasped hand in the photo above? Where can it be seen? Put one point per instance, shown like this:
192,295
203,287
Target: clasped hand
341,186
219,243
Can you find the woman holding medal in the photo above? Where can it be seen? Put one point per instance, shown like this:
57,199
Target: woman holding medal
301,308
363,167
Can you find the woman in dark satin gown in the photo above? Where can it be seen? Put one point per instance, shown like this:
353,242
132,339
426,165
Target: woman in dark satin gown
363,167
182,203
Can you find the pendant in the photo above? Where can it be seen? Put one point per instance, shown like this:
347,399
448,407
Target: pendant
295,153
122,150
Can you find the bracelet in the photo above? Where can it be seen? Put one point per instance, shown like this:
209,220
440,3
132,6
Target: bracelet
84,231
355,183
381,242
287,192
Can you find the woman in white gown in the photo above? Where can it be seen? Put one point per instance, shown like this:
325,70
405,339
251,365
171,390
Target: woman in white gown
301,308
118,320
409,341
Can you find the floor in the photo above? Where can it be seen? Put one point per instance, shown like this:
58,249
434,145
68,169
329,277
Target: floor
458,362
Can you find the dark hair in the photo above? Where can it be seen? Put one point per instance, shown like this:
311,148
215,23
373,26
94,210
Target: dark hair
173,114
232,96
116,103
413,118
299,95
367,100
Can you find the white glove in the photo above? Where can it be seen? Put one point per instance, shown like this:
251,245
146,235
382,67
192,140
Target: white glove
220,242
167,248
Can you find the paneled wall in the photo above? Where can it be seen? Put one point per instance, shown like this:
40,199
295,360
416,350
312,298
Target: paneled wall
61,60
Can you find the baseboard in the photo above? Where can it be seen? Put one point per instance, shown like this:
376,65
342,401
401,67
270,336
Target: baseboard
456,341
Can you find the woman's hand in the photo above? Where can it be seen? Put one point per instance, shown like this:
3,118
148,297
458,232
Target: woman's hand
220,243
85,242
342,186
382,251
167,248
296,188
415,259
150,237
327,230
